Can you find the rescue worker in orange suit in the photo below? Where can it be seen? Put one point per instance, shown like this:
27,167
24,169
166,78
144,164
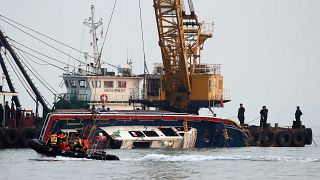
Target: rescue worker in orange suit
53,140
85,144
77,143
62,141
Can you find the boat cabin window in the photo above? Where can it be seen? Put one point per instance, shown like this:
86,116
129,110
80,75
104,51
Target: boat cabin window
96,84
136,134
108,84
122,84
72,83
82,83
151,133
168,131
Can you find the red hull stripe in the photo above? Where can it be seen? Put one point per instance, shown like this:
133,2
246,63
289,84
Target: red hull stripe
132,117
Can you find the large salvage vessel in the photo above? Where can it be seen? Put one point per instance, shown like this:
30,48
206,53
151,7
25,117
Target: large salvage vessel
158,110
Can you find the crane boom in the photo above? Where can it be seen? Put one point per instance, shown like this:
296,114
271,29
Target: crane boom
186,85
173,49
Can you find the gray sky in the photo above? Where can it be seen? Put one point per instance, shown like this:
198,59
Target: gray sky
269,49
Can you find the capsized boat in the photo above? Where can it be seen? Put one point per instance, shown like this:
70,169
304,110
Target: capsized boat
129,137
144,128
41,148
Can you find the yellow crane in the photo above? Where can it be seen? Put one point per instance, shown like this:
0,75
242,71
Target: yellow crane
186,85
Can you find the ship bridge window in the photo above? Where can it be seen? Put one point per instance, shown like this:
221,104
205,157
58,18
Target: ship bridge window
108,84
72,83
122,84
96,84
82,83
151,133
136,134
168,132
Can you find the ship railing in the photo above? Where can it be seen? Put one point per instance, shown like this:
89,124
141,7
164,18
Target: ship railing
214,69
114,98
207,28
222,94
71,97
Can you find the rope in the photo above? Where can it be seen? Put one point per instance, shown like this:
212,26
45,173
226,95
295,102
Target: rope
314,142
105,37
254,120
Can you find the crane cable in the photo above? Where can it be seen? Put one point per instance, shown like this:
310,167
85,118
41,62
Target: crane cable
23,81
18,76
145,68
142,39
80,51
35,73
68,55
105,37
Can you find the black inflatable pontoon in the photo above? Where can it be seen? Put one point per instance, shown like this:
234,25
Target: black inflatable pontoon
41,148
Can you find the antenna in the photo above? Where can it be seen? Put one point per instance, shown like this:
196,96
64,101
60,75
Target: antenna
94,25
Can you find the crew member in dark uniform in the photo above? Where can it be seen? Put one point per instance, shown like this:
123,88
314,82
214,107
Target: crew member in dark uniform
1,114
298,114
241,111
263,117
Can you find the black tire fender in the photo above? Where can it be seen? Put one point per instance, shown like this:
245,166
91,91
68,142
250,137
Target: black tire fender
255,136
284,139
298,138
267,138
2,138
308,136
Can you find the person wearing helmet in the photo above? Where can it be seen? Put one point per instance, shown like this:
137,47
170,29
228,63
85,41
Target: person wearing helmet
77,143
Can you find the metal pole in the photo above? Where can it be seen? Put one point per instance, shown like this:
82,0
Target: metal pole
23,71
9,82
4,113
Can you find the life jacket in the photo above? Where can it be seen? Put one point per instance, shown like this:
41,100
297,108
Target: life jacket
53,139
77,141
85,144
64,146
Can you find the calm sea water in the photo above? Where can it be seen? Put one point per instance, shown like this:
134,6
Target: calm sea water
225,163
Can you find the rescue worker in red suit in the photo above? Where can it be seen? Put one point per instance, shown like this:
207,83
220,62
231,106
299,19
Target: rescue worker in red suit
85,144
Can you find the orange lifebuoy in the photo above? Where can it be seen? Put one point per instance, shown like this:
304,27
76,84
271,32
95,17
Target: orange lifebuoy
104,98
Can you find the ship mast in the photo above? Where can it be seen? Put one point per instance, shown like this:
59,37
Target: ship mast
94,25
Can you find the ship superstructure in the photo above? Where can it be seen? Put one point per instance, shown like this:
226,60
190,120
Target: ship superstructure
93,84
